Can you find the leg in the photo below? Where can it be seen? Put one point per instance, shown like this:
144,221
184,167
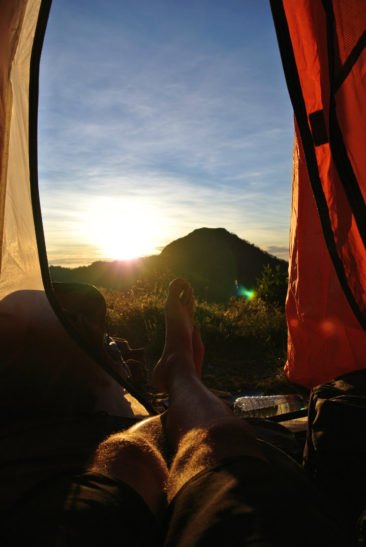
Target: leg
199,437
200,426
135,458
220,484
224,475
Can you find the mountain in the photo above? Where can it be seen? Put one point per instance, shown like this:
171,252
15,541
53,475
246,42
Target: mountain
212,259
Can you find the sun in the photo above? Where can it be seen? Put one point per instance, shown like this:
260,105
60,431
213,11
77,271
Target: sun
124,239
123,229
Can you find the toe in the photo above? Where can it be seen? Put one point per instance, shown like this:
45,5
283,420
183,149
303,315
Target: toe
177,286
187,295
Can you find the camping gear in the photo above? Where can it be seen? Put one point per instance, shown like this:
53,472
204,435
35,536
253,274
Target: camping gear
267,406
322,45
335,449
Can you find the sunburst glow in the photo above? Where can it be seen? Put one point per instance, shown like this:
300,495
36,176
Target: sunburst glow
123,229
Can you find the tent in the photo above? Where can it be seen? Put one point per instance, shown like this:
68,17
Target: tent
39,345
322,44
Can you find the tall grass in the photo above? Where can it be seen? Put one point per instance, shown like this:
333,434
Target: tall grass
245,340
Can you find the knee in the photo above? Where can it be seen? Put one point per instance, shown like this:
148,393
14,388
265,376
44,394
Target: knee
133,460
124,451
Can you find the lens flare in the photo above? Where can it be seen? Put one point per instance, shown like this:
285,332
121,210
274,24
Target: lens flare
242,291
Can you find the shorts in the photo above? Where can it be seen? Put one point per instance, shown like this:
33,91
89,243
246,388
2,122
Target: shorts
248,502
242,501
41,459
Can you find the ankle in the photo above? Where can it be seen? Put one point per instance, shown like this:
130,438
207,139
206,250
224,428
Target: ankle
180,368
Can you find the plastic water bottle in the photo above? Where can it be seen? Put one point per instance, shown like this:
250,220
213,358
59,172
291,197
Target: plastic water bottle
266,406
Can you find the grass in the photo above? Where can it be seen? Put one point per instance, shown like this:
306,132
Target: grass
245,340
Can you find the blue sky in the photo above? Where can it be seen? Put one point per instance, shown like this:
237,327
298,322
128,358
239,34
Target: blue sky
157,117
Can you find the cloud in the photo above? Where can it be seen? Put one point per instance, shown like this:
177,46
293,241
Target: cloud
191,118
279,251
179,205
178,106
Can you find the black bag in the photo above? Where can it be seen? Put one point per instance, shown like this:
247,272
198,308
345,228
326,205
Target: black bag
335,449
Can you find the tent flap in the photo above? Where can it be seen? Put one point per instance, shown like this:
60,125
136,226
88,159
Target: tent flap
322,45
45,365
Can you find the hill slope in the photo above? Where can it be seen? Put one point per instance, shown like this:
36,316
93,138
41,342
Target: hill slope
212,259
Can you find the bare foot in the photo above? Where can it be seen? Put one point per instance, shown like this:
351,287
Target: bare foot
180,339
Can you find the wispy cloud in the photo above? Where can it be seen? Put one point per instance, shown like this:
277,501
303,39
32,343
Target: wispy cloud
178,205
278,250
198,125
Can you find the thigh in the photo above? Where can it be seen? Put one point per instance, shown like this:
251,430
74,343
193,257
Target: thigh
249,502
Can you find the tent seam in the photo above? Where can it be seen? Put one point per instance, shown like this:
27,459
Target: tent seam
297,99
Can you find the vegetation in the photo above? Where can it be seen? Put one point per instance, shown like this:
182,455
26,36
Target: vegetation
272,286
245,339
240,293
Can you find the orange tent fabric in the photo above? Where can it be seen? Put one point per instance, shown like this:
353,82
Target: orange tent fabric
322,45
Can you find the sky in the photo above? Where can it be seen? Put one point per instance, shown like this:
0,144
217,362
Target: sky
158,117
